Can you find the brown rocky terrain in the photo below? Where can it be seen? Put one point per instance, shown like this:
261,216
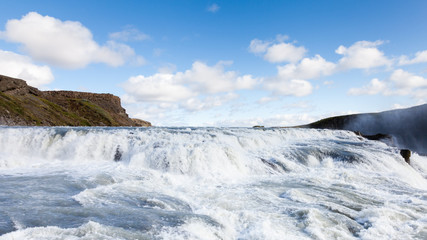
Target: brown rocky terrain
23,105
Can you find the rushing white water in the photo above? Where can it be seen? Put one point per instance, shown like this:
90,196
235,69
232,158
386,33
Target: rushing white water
206,183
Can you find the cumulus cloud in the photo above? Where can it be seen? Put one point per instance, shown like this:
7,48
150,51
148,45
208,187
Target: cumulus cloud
258,46
307,68
291,79
407,83
67,44
213,8
293,87
214,79
400,82
374,87
362,55
19,66
198,88
420,57
197,104
160,87
277,52
129,34
284,52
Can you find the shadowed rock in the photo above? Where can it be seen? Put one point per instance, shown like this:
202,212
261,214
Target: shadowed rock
140,123
407,127
118,154
406,154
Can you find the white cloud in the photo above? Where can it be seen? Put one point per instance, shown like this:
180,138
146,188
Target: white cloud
404,79
406,83
374,87
307,68
66,44
277,52
19,66
293,87
246,82
117,54
258,46
197,104
213,8
400,82
264,100
281,37
296,105
291,79
159,114
420,95
213,79
193,89
167,98
160,87
362,55
420,57
284,52
399,106
129,34
167,68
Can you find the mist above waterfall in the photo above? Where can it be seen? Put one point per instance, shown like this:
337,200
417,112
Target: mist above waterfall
407,126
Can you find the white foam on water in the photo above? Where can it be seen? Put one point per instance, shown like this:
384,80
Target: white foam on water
90,230
209,183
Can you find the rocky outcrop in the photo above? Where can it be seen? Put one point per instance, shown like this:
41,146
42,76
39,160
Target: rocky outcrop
406,154
407,127
14,86
21,104
140,123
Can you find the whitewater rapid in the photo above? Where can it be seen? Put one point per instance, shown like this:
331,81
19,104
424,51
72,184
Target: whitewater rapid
206,183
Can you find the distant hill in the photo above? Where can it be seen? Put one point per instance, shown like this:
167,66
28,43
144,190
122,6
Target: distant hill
23,105
407,126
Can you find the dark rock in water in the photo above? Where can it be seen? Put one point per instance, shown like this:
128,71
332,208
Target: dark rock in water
271,165
385,138
378,136
406,154
118,155
275,165
258,126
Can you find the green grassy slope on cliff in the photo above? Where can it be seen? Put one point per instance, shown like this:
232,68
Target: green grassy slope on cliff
22,105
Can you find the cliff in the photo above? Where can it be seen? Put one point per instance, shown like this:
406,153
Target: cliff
408,127
24,105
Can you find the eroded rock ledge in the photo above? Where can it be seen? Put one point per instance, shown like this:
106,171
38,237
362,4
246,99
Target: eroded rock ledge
23,105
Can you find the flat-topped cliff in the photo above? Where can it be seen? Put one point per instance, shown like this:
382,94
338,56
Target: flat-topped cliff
23,105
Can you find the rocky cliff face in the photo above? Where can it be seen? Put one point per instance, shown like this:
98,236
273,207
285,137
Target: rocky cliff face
407,126
21,104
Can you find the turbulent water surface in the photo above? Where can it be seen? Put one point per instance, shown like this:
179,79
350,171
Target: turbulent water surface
206,183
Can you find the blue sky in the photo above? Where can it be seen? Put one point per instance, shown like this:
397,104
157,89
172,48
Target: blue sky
223,63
